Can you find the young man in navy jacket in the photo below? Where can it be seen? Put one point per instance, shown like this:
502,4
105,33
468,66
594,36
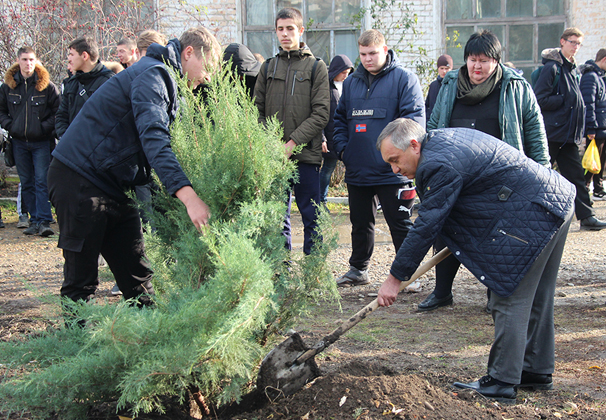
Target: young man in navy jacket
110,147
378,92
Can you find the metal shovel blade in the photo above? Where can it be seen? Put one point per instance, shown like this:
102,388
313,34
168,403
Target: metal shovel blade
288,367
279,374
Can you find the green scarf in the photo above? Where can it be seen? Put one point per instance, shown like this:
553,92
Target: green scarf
470,94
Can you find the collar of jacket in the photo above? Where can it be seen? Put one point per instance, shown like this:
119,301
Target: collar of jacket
590,66
42,77
99,68
171,54
555,54
391,63
302,52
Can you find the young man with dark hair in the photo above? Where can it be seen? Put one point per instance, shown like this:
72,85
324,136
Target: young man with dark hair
111,146
127,52
559,96
293,85
88,74
28,104
379,91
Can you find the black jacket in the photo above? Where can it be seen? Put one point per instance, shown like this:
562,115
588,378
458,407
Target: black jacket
116,137
76,91
593,89
338,64
563,108
244,64
432,95
28,107
493,207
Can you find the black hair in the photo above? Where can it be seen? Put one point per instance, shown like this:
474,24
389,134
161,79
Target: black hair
483,42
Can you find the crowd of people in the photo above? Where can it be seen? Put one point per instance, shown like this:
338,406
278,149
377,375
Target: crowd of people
482,170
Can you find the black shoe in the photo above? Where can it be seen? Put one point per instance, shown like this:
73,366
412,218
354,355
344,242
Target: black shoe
2,224
592,223
535,381
491,388
44,229
431,302
32,229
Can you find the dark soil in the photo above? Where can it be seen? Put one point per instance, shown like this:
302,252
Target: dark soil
398,363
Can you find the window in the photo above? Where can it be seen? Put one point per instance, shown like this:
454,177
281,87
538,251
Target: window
524,27
329,29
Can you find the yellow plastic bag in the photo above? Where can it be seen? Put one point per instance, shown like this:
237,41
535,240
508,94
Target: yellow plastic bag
591,158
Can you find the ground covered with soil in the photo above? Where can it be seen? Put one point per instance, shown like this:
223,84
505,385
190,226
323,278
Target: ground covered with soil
398,363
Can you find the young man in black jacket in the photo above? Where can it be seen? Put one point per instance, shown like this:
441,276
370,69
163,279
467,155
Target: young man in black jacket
559,96
28,104
88,75
109,148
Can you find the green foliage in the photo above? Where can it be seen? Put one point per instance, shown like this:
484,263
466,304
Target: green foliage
223,297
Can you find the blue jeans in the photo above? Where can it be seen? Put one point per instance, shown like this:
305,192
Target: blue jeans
328,168
307,196
32,160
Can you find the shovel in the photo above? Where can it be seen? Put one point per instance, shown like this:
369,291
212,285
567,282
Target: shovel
291,365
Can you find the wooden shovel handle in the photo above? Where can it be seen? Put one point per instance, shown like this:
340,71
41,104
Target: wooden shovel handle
364,312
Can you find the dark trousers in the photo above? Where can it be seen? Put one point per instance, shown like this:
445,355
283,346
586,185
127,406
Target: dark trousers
92,223
569,164
523,322
445,271
397,208
307,196
597,178
328,167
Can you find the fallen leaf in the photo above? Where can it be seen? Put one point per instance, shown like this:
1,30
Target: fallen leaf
125,418
428,406
305,417
558,415
343,399
595,367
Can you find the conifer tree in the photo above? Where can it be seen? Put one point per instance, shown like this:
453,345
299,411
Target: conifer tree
223,297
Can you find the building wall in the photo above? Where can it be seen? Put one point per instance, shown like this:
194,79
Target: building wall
589,16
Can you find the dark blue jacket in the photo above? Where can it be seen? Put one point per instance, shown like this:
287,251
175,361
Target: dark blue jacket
124,128
363,112
432,95
338,65
494,208
593,89
563,108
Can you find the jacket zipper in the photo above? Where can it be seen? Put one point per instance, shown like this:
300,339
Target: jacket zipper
501,231
286,86
26,112
294,78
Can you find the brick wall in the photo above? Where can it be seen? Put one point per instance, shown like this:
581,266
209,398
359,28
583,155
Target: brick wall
219,16
590,17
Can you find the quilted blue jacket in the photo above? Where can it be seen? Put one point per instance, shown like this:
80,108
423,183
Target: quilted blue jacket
494,208
123,129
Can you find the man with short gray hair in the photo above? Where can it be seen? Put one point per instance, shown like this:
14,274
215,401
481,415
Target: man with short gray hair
505,217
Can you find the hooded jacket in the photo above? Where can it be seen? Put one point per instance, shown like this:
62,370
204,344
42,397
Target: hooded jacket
116,137
28,106
593,89
364,110
563,108
284,89
338,64
77,89
493,207
520,117
244,64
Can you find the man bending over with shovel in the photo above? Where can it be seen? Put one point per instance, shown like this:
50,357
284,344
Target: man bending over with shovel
504,217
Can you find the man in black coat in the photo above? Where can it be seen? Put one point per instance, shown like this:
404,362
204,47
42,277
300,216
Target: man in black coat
559,96
28,104
593,88
88,75
110,147
505,217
